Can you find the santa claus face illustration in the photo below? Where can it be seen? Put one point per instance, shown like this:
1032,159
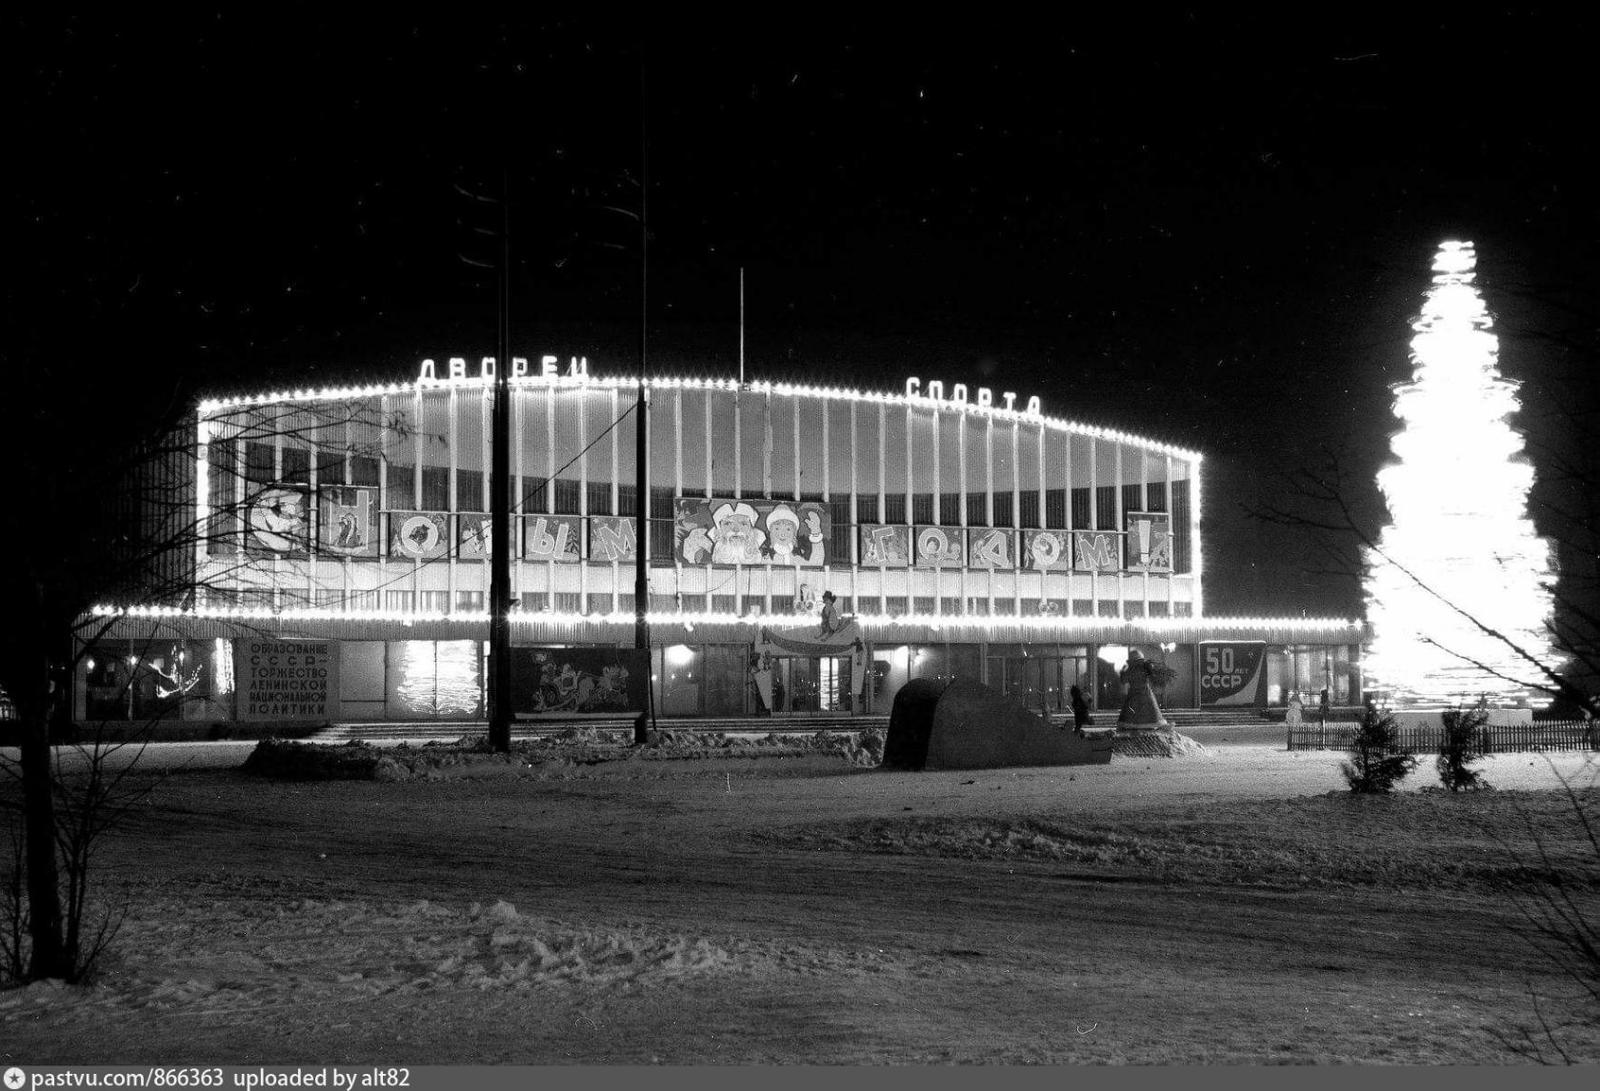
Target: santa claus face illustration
784,528
735,539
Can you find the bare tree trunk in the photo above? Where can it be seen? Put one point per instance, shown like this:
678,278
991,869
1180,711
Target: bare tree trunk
50,957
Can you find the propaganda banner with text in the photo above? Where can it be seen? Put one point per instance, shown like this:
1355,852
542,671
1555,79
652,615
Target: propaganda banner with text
347,522
612,538
1096,550
423,535
279,520
280,680
1149,541
474,536
991,547
1046,550
884,545
552,538
1233,673
940,547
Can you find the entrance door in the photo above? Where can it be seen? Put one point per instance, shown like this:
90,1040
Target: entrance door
803,685
1038,682
1075,672
800,687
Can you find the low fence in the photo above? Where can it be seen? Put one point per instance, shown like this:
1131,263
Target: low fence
1491,739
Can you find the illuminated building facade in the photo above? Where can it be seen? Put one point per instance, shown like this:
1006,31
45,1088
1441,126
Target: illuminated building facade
970,535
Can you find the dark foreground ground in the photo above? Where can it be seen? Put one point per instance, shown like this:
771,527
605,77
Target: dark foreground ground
1218,909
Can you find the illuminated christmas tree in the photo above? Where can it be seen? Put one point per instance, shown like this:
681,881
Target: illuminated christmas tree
1461,540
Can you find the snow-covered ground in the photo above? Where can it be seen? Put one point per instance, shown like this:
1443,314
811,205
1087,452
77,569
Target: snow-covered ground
1231,906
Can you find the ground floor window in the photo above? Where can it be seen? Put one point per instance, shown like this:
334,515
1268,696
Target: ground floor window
1306,669
422,680
147,680
434,679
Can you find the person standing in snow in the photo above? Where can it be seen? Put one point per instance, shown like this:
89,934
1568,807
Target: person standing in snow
1080,709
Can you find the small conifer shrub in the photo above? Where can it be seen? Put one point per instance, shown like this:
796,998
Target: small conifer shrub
1378,763
1458,749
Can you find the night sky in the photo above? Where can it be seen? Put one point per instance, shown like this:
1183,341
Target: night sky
1207,229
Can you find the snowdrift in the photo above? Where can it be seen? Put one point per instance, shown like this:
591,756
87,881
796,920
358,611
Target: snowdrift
967,725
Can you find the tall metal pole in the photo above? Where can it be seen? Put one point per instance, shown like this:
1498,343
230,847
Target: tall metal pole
641,426
500,503
641,550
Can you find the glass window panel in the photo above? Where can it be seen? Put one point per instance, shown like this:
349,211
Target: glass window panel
1002,510
1029,515
296,464
867,468
678,675
1182,558
538,495
1056,445
726,679
949,455
568,496
470,491
722,447
569,417
1028,459
976,431
470,454
924,455
838,414
1106,497
1055,509
965,662
532,445
436,428
785,475
599,418
1080,509
1005,465
894,456
1155,496
692,478
436,488
411,680
330,465
458,674
752,441
977,509
841,534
